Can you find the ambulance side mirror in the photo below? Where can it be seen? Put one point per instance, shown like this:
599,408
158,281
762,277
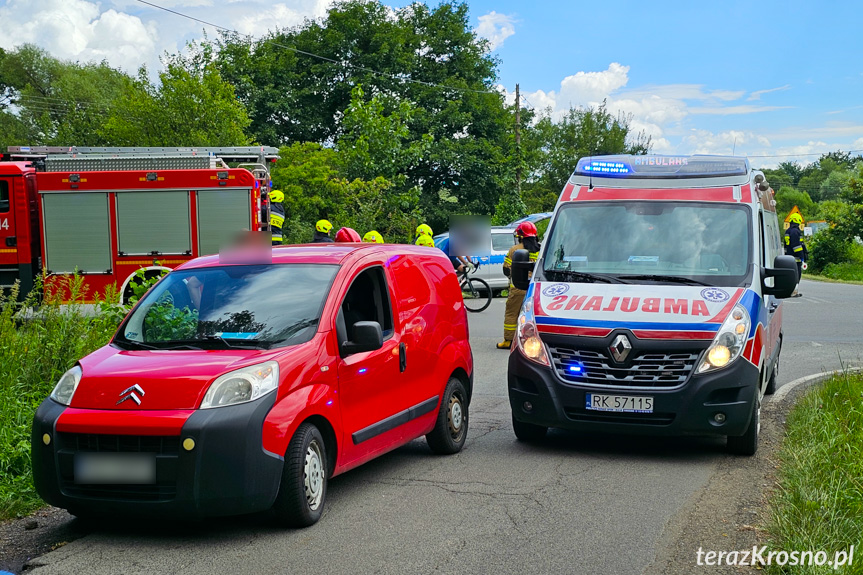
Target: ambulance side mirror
784,274
521,269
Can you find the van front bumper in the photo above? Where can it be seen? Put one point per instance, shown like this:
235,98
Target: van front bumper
224,472
537,395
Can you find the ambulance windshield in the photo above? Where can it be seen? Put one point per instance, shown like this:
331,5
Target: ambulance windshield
705,243
246,306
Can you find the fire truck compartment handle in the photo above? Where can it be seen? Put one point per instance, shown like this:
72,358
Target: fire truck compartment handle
12,241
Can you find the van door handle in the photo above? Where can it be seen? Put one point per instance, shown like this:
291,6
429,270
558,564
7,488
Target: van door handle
403,357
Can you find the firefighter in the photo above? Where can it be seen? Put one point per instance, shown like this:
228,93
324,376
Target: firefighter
423,230
277,215
796,246
348,235
425,240
322,232
373,237
526,240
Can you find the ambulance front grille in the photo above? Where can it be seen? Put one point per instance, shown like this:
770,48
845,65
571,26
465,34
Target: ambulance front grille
651,369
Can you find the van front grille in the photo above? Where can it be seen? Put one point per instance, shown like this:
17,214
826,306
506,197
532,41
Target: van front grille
647,369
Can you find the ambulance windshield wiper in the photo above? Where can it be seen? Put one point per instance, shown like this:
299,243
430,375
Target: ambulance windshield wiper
670,279
573,276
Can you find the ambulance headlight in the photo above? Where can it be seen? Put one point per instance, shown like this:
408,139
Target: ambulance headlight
65,388
729,342
243,385
527,335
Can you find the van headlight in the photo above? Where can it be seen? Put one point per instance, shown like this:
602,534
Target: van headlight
729,341
243,385
527,335
65,388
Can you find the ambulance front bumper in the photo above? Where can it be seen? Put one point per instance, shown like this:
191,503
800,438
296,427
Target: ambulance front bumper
538,395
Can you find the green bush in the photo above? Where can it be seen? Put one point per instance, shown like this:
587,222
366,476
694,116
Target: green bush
38,343
825,248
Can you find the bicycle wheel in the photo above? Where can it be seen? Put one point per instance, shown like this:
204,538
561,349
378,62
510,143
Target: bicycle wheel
476,294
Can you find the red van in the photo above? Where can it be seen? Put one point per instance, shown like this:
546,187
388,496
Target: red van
240,386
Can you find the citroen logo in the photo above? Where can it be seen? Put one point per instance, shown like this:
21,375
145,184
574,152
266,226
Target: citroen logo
130,394
620,348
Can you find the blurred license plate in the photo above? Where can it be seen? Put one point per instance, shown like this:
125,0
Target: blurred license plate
125,468
623,403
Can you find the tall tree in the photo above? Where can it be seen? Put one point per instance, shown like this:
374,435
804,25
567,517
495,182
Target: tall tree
192,106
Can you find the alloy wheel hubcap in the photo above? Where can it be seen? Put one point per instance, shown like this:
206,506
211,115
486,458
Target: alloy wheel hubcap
456,416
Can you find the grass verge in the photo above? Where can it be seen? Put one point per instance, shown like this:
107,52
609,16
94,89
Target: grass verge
818,505
34,353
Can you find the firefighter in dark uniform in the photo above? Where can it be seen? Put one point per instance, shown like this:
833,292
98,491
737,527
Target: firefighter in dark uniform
322,232
796,246
277,215
527,240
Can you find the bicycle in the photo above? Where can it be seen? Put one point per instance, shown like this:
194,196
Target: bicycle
475,291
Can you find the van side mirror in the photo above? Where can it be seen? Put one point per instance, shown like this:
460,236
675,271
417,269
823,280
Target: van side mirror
367,336
784,274
521,269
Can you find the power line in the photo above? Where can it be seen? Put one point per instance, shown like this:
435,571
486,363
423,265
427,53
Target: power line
324,58
797,155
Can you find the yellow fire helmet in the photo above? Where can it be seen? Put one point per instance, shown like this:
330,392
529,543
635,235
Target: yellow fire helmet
424,230
323,226
796,219
373,237
425,240
277,196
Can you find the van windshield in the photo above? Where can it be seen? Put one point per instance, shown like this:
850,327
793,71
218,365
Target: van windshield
248,307
650,241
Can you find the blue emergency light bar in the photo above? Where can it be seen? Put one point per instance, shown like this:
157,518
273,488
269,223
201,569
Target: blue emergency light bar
654,166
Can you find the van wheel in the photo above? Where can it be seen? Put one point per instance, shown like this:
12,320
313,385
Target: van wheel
771,383
747,444
450,431
303,490
528,431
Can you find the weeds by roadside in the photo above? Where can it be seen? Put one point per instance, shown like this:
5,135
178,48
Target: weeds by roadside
818,504
39,341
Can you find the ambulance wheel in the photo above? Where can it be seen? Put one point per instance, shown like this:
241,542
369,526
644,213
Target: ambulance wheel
747,444
528,431
303,491
450,431
771,383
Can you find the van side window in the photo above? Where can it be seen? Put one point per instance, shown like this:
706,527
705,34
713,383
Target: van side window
4,197
765,240
368,299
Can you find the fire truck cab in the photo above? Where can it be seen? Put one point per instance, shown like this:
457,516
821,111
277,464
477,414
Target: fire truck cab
655,304
105,213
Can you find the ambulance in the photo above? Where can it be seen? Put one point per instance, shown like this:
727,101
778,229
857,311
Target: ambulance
655,305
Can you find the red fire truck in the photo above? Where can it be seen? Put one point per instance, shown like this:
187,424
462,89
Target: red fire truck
105,213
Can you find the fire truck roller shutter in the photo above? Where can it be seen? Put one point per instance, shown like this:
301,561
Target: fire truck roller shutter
221,214
153,221
77,235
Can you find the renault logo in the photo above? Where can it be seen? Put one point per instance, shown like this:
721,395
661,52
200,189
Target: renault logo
130,394
620,348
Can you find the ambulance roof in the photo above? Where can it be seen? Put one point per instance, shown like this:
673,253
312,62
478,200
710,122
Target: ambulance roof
658,171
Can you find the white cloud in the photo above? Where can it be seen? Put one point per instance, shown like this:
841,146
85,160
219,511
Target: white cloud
495,28
858,144
592,87
129,34
756,95
736,110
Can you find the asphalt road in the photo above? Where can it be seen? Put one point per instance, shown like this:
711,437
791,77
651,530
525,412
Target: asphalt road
576,504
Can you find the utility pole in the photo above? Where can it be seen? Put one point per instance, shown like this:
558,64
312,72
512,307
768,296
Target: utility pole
517,140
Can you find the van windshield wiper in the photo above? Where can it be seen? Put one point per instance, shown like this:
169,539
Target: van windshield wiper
132,344
669,279
573,276
258,344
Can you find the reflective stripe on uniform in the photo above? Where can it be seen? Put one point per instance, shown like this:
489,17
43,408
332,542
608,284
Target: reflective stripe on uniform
533,256
798,249
507,261
276,220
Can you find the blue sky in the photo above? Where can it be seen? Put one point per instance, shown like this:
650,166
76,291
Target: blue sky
759,78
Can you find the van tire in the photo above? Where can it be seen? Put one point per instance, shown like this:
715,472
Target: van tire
528,432
450,430
771,383
303,490
747,444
